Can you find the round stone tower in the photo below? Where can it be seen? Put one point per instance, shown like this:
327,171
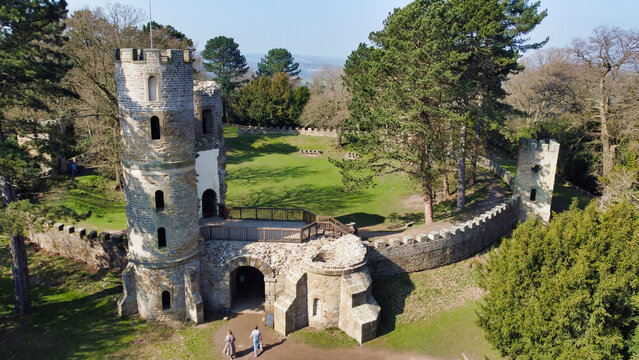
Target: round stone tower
155,95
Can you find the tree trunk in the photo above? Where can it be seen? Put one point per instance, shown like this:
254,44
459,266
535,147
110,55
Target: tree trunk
446,185
461,169
18,252
428,204
608,157
225,104
20,275
473,163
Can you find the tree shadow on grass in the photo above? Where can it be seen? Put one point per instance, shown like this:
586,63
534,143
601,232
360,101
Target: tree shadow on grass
247,148
321,200
361,219
391,293
260,174
63,329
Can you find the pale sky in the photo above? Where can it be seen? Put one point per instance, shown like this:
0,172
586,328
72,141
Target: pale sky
334,28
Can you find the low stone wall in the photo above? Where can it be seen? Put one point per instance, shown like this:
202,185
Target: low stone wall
409,254
498,170
244,130
103,250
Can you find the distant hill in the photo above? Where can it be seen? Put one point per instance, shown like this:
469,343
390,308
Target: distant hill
309,64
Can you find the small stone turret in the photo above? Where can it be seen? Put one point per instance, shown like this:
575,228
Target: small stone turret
535,179
155,95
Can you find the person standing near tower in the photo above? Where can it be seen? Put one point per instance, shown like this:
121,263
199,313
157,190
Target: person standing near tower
256,335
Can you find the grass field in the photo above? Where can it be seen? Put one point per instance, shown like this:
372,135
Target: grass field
91,197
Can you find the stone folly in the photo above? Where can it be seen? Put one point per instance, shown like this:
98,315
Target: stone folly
174,170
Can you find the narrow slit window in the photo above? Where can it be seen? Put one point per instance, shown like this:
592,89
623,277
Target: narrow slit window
207,122
166,300
161,237
155,128
159,201
316,307
533,194
153,88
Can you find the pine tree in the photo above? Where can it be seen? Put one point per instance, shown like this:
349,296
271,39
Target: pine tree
31,67
224,59
277,61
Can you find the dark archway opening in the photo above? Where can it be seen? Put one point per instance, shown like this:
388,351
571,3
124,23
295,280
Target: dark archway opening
209,203
247,289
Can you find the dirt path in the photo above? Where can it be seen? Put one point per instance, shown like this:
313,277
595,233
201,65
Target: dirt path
497,195
279,347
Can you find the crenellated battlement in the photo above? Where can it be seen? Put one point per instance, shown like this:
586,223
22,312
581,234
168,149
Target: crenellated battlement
410,253
152,56
536,168
541,145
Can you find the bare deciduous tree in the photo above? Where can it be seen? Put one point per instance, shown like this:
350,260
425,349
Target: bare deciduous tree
328,105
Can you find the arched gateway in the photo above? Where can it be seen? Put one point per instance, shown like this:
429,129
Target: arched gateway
249,279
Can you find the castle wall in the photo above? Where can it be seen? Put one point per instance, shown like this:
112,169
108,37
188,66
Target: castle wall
410,254
244,130
104,250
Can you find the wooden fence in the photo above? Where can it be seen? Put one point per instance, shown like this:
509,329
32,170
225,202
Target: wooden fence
315,225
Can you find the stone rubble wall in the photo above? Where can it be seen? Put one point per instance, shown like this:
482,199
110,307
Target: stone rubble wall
104,250
245,130
410,254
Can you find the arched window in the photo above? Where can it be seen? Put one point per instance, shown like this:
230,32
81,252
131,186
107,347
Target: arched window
159,201
533,194
161,237
166,300
207,122
155,128
153,88
317,307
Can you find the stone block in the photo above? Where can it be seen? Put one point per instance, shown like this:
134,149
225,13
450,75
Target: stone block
408,240
59,226
380,244
81,231
395,242
69,229
421,238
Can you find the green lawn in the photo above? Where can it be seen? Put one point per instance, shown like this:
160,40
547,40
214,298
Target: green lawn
91,197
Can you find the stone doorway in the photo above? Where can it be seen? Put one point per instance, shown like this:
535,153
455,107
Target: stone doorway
209,204
247,290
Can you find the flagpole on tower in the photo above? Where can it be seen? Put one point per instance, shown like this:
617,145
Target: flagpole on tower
150,25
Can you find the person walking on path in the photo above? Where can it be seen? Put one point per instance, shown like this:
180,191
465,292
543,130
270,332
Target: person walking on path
229,345
256,335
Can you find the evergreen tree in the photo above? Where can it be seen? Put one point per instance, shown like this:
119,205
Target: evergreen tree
224,59
267,101
568,290
31,66
277,61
